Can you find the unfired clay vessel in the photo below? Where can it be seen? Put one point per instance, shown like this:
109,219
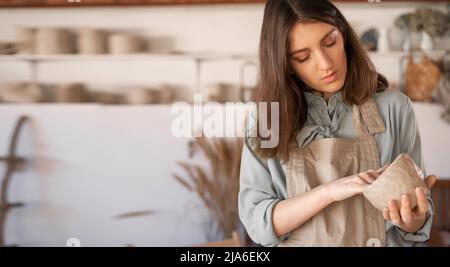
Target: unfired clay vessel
401,177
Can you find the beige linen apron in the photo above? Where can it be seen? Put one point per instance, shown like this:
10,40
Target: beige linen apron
351,222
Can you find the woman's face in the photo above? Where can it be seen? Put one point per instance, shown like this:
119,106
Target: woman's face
316,50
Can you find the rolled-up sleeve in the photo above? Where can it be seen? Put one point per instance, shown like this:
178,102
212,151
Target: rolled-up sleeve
409,139
257,197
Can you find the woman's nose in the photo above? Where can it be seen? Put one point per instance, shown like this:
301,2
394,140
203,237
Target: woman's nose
324,61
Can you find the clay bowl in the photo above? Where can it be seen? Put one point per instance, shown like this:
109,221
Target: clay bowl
401,177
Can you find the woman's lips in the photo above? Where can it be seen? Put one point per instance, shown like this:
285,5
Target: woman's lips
330,78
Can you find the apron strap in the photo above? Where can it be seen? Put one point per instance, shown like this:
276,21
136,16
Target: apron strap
367,119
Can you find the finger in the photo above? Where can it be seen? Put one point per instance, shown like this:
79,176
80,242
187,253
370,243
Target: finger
386,214
362,179
366,177
382,169
430,181
373,173
405,209
422,202
358,180
393,212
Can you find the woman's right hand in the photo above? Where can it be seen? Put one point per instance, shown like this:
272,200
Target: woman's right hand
349,186
290,213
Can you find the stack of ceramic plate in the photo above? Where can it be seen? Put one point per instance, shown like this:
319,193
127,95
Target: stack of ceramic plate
53,41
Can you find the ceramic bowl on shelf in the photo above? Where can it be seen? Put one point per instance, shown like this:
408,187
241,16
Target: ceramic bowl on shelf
141,96
50,41
166,94
123,43
91,41
107,98
218,92
25,38
9,48
70,93
23,92
248,93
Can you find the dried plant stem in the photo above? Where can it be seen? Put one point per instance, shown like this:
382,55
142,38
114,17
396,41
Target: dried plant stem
12,163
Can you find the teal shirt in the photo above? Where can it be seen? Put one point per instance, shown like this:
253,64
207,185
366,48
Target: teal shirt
263,182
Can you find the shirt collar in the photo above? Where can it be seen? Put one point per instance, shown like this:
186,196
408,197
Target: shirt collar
314,98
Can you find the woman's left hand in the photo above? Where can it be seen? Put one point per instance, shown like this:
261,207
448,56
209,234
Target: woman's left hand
407,219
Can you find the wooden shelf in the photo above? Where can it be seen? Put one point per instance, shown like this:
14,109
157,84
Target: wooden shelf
175,56
198,58
127,57
398,54
43,105
421,105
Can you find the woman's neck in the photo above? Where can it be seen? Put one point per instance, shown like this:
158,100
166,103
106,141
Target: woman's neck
326,96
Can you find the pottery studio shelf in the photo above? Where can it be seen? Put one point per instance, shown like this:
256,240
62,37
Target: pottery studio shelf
198,58
125,57
174,56
391,58
399,54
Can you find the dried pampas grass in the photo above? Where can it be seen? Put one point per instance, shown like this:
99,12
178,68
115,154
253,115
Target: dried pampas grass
218,188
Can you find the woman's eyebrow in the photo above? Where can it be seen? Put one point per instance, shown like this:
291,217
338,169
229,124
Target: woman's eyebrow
304,49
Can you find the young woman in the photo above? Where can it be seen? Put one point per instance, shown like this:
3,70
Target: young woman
337,126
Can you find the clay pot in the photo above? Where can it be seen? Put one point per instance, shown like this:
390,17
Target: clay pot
401,177
396,38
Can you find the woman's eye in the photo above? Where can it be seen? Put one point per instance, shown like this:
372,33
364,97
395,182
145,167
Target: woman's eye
331,44
331,40
303,59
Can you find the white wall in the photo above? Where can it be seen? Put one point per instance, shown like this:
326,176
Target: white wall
435,138
88,163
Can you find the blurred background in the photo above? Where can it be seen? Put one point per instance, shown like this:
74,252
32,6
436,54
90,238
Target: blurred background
86,87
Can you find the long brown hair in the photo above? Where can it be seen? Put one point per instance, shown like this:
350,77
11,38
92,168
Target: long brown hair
278,84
